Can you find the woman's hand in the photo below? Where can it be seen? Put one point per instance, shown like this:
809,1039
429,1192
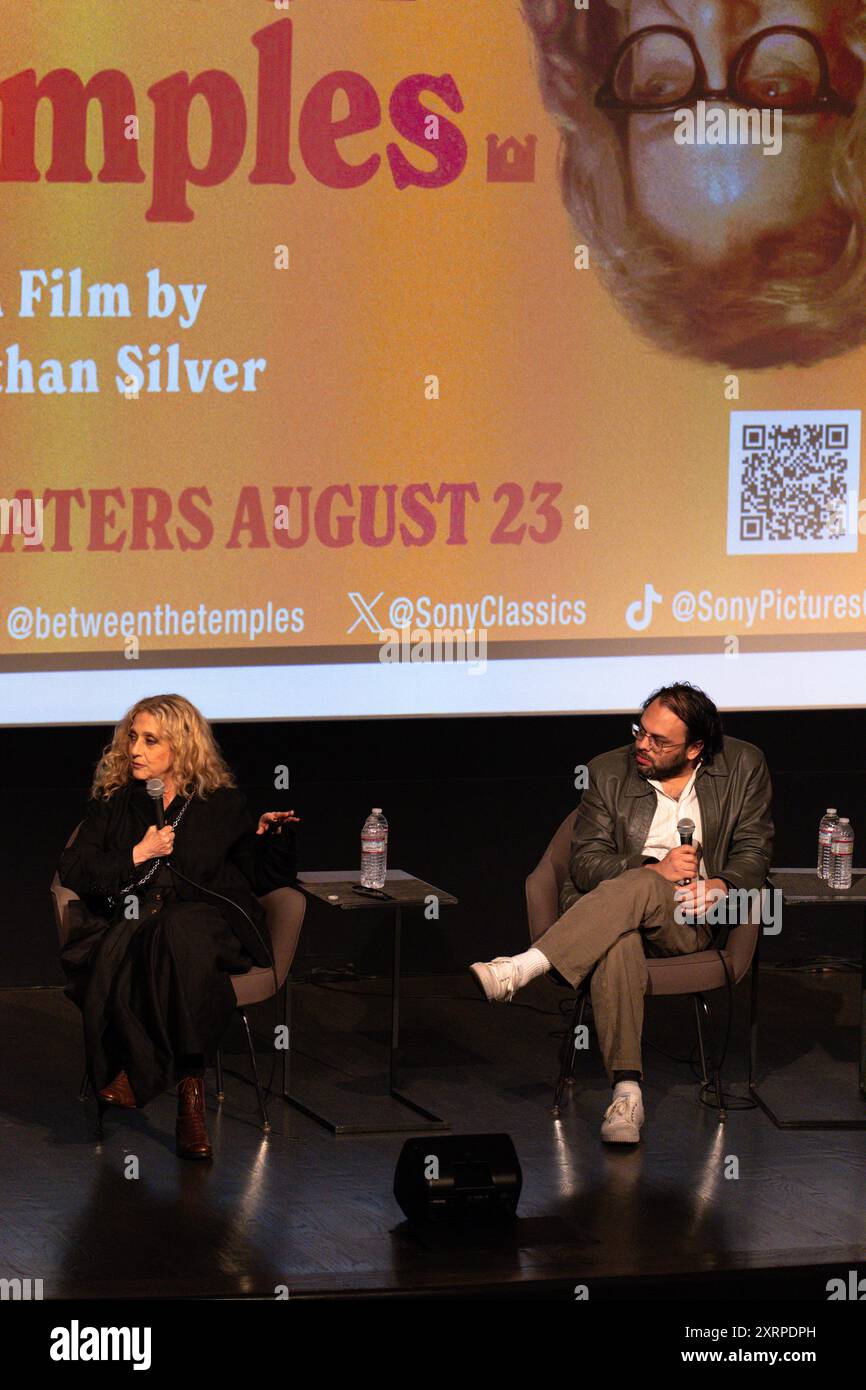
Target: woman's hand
276,819
154,845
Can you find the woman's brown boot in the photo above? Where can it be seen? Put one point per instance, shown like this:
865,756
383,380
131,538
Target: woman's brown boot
191,1133
119,1092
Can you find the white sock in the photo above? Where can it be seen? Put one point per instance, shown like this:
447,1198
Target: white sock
622,1087
530,964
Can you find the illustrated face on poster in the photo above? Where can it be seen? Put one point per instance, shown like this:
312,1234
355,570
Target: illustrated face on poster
751,252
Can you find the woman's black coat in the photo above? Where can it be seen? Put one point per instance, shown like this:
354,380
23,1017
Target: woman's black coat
215,845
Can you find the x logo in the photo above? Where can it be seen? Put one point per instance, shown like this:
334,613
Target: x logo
365,612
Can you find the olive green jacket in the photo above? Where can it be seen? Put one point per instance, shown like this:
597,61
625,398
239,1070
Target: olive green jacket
617,809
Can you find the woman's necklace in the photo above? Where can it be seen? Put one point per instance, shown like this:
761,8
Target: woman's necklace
143,878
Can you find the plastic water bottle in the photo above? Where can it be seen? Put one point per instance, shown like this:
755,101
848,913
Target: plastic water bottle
841,854
374,849
828,820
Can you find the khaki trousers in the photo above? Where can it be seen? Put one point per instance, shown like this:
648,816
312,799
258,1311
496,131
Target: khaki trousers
614,928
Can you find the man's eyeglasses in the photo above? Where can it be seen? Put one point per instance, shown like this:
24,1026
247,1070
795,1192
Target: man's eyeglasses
782,68
659,745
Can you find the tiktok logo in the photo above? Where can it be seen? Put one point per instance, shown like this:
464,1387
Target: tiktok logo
639,614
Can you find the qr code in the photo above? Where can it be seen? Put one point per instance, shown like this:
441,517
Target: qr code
793,482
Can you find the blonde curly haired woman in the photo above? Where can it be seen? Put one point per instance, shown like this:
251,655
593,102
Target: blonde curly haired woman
149,957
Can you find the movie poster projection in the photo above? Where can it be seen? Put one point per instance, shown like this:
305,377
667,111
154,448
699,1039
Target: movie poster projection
393,357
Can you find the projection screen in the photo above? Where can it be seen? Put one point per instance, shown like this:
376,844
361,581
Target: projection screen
400,357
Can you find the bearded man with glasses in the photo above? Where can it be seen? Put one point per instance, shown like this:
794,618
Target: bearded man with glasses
631,883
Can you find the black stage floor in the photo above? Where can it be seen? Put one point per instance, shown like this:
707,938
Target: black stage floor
698,1210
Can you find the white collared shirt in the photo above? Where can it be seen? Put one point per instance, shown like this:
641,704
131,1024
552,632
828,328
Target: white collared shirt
663,834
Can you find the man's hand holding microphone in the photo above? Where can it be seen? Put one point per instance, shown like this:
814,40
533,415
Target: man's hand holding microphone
681,866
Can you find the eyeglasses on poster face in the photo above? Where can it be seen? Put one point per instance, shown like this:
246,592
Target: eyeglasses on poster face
783,67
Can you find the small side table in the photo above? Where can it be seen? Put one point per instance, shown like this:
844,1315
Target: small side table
335,888
801,887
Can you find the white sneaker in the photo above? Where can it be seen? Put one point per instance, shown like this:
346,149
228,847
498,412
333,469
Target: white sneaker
497,979
623,1119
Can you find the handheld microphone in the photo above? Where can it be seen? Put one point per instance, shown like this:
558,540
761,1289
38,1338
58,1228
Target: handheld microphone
156,791
685,830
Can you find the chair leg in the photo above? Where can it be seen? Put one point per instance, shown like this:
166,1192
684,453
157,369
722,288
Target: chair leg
266,1124
101,1105
717,1080
287,1024
568,1051
563,1065
719,1099
569,1080
698,1007
221,1094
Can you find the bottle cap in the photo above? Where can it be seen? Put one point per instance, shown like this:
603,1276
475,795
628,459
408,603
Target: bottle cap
377,811
831,811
